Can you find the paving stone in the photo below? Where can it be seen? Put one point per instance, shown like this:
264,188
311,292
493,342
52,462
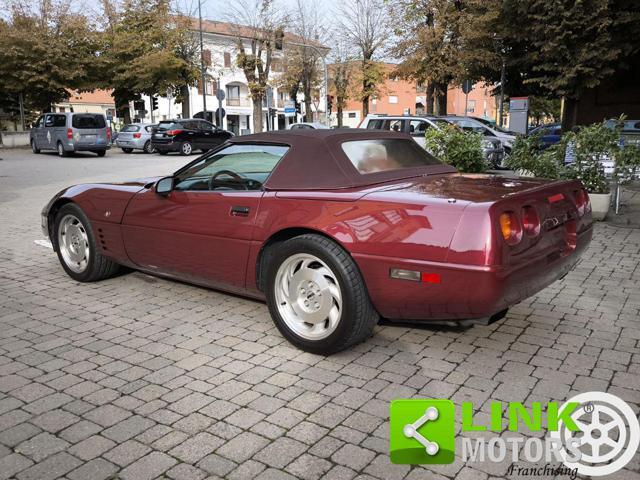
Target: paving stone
281,452
197,447
53,467
41,446
12,464
91,447
96,469
353,457
242,447
148,467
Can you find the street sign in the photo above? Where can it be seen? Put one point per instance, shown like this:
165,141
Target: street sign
289,108
220,112
220,94
467,86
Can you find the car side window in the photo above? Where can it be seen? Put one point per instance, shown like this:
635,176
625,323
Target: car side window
375,124
237,167
59,121
418,128
40,122
394,125
206,126
48,121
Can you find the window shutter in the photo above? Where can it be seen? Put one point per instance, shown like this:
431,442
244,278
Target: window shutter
227,59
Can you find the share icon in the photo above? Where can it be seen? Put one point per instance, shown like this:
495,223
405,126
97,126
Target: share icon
411,430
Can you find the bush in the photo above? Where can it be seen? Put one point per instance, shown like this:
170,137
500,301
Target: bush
527,158
457,148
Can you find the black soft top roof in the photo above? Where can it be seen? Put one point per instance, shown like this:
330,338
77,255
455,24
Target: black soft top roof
316,161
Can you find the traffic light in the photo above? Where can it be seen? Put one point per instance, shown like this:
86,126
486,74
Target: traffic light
154,103
298,107
272,112
329,103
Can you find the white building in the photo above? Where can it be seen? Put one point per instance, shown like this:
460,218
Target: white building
220,43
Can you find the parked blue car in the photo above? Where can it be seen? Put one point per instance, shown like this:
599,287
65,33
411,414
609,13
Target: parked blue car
549,134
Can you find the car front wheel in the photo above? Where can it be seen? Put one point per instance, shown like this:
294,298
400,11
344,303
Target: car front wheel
186,148
148,148
317,296
77,249
33,147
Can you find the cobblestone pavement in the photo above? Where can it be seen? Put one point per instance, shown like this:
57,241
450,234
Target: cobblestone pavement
139,378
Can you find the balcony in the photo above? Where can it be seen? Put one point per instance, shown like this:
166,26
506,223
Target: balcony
238,102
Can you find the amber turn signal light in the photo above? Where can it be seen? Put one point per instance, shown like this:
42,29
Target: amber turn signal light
510,228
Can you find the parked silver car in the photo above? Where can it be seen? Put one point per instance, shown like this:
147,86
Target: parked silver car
71,132
136,136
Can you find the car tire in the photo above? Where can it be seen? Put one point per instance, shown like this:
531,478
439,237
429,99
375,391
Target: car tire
71,223
162,152
61,151
148,148
34,148
101,153
328,285
127,150
186,148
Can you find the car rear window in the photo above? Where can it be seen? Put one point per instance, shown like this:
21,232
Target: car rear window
131,128
162,126
382,155
88,121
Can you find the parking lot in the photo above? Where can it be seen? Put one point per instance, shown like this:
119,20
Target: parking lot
139,378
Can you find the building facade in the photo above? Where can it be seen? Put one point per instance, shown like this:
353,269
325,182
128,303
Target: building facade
98,101
220,41
406,97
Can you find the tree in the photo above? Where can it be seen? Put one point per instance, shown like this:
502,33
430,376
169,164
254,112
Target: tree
44,51
363,24
259,31
574,45
429,46
143,53
341,77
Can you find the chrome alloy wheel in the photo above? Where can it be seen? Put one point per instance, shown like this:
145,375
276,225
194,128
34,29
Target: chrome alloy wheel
73,243
308,296
187,148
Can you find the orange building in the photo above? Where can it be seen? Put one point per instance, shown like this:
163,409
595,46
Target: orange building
406,97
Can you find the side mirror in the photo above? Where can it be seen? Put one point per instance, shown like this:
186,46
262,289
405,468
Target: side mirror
165,185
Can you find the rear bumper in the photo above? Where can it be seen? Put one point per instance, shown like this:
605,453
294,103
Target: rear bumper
137,144
87,147
465,291
166,146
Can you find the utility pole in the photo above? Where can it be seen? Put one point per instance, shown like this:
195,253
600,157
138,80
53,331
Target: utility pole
202,68
502,77
21,100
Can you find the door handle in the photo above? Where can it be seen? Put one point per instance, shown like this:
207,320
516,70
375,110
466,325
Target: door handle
239,211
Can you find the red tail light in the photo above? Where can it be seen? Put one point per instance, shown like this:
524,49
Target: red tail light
108,133
511,228
173,132
582,201
530,221
137,135
69,134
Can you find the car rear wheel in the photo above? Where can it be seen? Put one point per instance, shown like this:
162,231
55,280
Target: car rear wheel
148,148
101,153
317,296
77,249
186,148
61,151
33,147
127,150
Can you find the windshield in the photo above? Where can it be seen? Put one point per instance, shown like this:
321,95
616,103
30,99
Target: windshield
88,121
131,128
382,155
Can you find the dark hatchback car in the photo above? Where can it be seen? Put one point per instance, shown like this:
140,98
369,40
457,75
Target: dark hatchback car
187,135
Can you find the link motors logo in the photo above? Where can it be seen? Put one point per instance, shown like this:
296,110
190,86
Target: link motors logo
609,434
593,433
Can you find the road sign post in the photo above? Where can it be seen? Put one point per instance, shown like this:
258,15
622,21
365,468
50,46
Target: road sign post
467,86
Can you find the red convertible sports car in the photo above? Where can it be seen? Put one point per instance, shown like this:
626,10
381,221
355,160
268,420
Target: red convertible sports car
334,229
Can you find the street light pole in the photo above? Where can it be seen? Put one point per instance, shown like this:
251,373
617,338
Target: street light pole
202,69
502,77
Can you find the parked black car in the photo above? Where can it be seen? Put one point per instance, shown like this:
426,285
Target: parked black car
187,135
